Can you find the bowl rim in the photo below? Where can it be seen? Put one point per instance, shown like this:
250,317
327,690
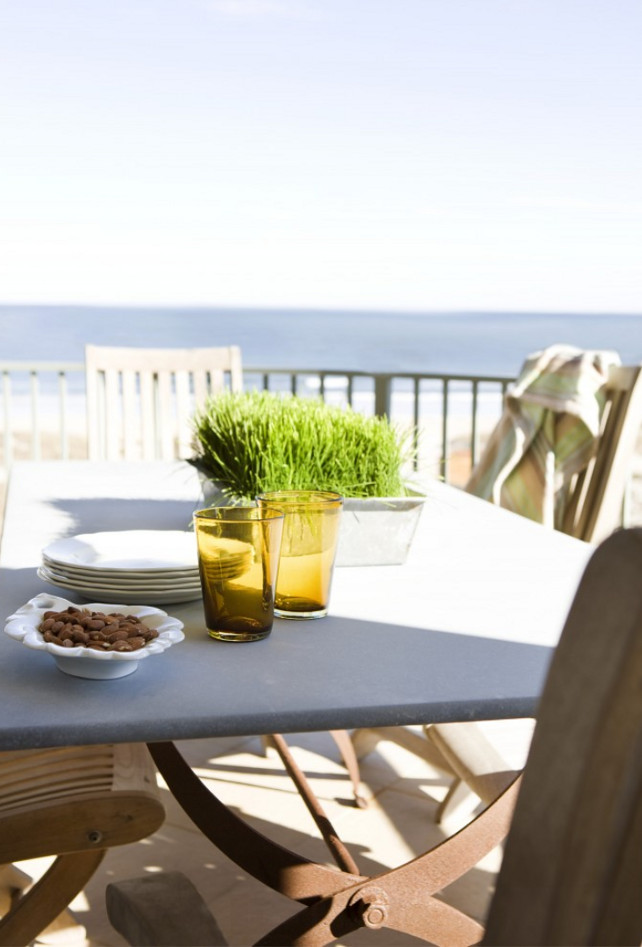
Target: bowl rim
22,626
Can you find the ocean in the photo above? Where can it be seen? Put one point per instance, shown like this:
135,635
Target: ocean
489,343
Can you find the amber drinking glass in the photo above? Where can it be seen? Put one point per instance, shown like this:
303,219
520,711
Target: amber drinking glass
310,534
238,558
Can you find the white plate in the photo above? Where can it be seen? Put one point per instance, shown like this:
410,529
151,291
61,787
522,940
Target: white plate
141,549
115,595
123,580
83,662
80,572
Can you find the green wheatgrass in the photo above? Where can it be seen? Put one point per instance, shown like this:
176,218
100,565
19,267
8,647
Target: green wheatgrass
258,440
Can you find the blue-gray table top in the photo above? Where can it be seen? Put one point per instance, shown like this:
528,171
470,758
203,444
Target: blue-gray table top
463,630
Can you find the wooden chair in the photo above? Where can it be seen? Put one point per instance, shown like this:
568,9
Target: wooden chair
74,803
593,511
140,401
573,856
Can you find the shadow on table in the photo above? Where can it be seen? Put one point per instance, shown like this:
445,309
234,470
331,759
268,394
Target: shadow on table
109,514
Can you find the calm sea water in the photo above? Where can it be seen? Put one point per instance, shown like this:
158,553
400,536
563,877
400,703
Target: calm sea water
458,343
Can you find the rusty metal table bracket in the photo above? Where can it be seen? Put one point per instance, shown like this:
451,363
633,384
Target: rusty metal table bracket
340,901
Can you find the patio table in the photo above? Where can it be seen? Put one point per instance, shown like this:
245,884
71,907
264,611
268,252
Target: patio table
462,631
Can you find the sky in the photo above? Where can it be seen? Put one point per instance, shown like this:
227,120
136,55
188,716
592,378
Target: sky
410,155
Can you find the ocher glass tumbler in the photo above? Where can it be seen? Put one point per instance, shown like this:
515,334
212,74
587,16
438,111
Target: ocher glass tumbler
308,550
238,558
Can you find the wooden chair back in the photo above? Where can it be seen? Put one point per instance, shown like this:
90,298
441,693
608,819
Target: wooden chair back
74,803
573,858
594,508
140,401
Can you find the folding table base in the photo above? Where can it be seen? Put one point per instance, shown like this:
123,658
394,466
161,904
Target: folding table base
337,901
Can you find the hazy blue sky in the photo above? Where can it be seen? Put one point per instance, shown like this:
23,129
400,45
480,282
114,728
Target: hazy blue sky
389,154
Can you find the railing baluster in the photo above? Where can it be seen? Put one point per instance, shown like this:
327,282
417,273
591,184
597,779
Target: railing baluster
6,412
35,416
349,389
443,463
383,390
474,431
283,379
415,422
64,434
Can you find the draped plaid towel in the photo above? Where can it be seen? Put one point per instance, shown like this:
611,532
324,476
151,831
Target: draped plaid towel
547,433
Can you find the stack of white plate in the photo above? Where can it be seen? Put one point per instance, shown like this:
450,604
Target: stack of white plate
134,566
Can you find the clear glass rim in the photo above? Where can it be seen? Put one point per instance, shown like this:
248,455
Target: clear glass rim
239,514
302,497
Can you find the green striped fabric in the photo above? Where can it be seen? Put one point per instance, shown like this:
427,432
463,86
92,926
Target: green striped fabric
547,433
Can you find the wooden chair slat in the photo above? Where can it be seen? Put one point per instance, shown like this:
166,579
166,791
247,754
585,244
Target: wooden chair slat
164,418
147,415
184,408
49,806
600,509
131,421
151,420
112,422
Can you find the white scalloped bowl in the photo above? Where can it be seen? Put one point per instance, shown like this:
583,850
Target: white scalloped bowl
84,662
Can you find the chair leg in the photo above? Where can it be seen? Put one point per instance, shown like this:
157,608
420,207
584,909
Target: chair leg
459,799
266,745
351,763
12,883
365,741
48,897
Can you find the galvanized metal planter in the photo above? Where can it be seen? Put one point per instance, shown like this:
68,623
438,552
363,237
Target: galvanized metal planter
378,531
375,531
